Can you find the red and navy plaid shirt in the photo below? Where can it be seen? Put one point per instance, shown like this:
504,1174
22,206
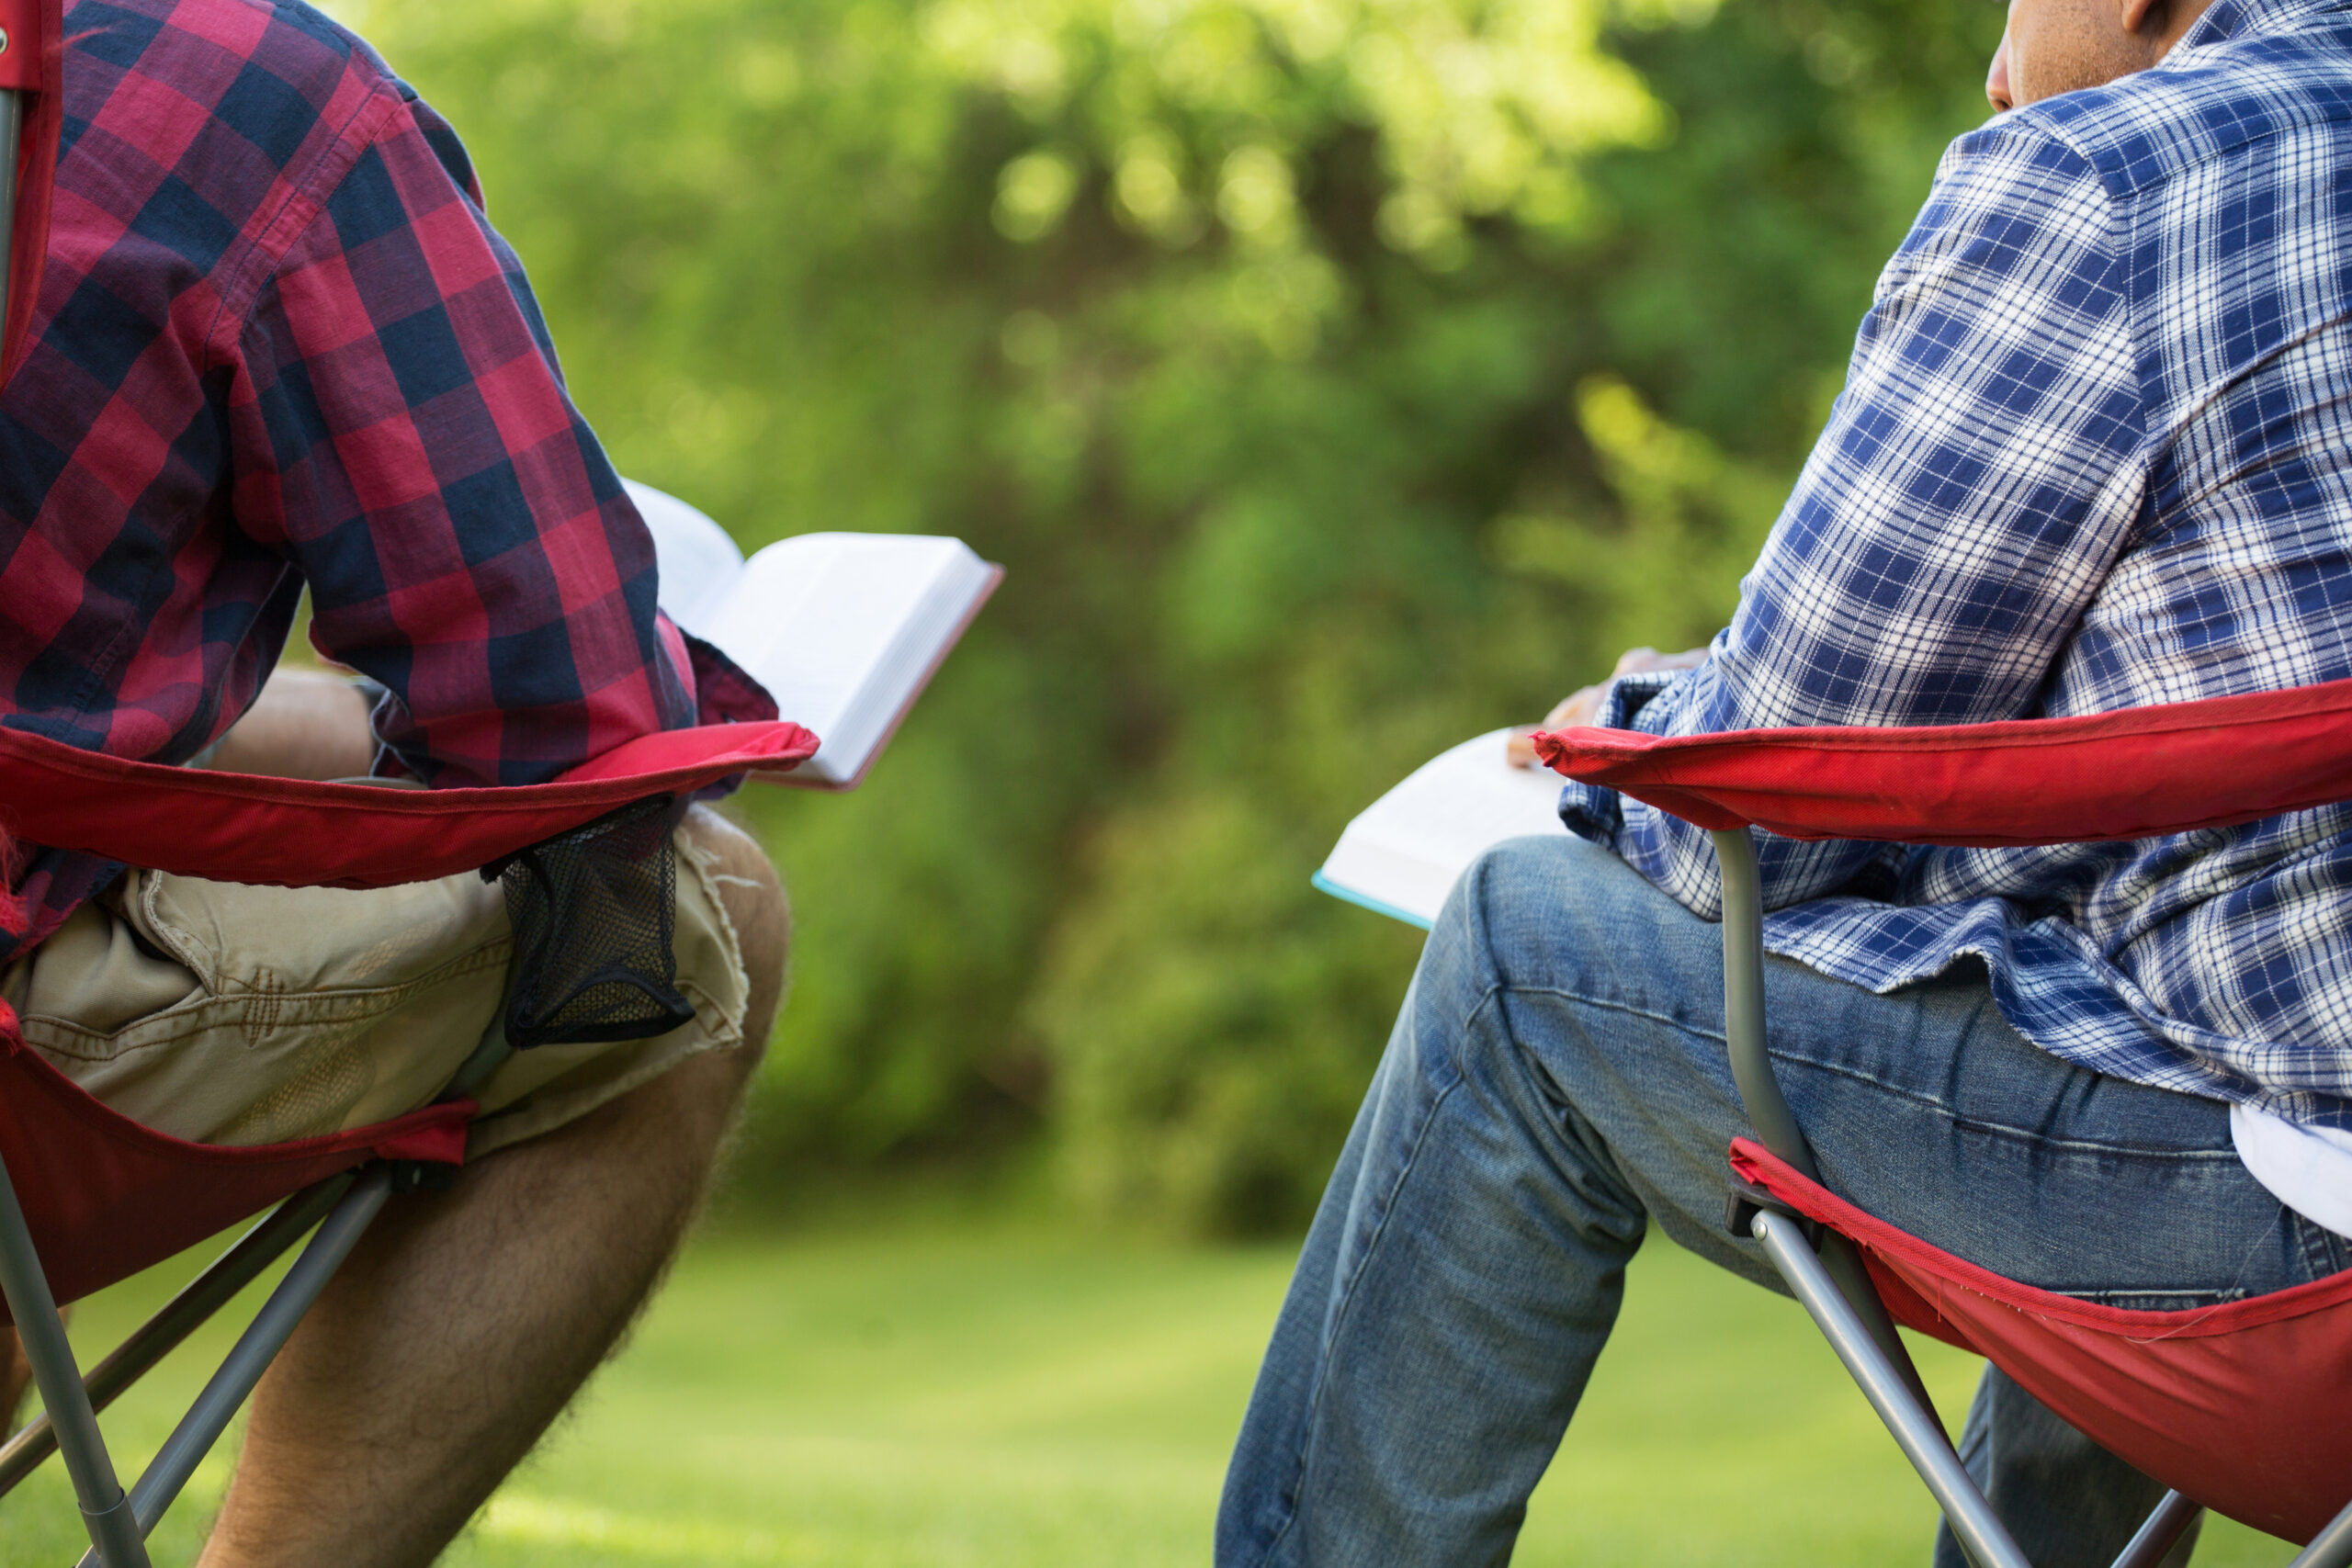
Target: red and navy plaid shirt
277,344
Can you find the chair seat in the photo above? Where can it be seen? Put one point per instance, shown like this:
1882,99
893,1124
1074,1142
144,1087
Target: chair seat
105,1197
2241,1407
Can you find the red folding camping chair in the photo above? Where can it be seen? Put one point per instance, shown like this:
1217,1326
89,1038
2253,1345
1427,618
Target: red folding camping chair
86,1197
2241,1408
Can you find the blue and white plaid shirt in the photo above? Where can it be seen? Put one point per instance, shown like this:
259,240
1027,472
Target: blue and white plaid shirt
2094,452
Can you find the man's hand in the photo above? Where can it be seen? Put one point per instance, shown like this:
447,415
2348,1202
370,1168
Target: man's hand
306,724
1585,706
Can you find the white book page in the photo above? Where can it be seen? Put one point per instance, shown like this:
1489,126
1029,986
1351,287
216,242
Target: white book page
843,628
1404,854
697,561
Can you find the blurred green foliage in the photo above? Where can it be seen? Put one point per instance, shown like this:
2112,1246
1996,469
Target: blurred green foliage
1336,377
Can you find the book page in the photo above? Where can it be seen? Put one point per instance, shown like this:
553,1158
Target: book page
697,561
842,627
1404,854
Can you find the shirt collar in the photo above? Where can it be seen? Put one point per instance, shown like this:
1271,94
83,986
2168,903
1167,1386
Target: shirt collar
2252,19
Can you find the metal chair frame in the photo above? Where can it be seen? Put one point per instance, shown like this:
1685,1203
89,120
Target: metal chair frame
340,1209
1827,1277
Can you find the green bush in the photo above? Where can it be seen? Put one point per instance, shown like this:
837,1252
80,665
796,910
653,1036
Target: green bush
1337,378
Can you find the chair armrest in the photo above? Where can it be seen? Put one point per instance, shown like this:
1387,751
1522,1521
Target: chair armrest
2135,773
295,833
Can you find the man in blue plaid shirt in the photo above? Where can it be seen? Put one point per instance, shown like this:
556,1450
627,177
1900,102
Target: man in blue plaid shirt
2094,452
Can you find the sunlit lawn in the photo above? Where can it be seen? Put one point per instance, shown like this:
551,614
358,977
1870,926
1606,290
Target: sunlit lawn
936,1394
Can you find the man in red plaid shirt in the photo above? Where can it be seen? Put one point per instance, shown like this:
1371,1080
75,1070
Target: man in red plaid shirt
277,346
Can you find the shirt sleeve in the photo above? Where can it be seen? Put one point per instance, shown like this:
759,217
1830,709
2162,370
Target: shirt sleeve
405,437
1979,474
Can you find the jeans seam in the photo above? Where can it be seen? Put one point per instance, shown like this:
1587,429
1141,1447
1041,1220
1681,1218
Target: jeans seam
1348,1291
1958,1119
2318,1246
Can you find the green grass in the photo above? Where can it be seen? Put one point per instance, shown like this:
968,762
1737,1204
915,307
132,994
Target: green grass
993,1394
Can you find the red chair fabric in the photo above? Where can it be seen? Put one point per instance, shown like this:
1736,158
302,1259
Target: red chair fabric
105,1197
22,21
2239,1406
2131,775
291,833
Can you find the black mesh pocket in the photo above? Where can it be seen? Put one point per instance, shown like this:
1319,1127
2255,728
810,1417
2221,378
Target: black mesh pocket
595,912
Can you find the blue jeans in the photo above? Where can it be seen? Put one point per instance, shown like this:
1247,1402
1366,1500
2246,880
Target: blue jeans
1557,1081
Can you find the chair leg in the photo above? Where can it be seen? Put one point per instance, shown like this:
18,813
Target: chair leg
342,1207
2332,1547
2163,1532
1916,1429
115,1539
271,1327
1747,1047
181,1316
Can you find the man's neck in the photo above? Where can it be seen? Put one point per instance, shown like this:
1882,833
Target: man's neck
2185,19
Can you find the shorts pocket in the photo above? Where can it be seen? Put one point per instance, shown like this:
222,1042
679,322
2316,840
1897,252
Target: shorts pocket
286,1012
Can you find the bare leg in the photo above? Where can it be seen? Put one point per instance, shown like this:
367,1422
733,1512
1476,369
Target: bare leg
306,724
465,1323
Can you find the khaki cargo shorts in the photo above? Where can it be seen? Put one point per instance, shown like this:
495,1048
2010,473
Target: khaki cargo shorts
228,1014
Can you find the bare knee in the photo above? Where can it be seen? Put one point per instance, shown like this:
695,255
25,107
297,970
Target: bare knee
754,897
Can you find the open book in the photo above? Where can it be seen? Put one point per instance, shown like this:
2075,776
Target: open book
844,630
1405,853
